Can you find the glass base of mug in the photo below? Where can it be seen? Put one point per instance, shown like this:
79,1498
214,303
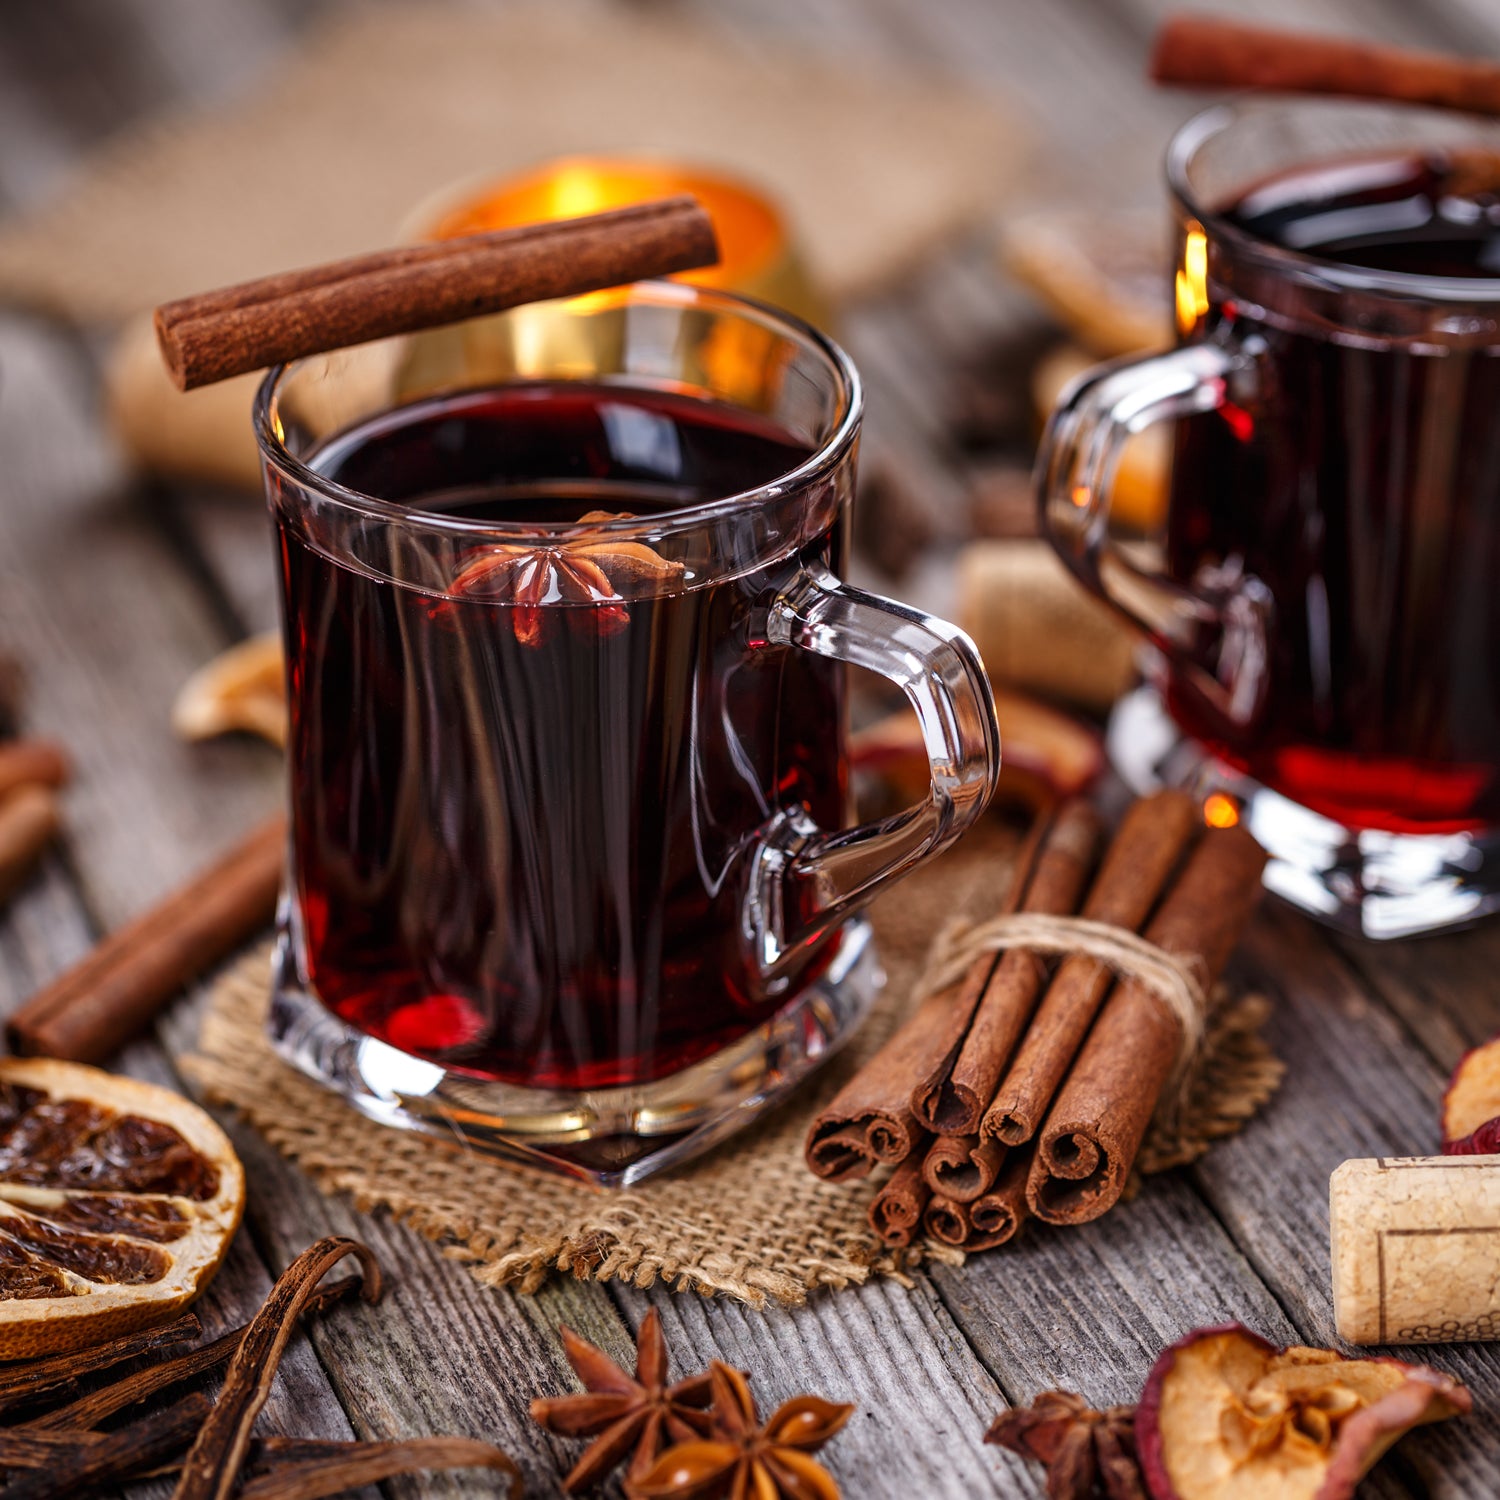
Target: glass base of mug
608,1137
1381,885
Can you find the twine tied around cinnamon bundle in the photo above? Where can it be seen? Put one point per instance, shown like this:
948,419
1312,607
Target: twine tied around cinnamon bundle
1173,980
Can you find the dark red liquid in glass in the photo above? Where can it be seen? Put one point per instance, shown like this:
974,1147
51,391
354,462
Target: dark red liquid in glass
522,840
1362,491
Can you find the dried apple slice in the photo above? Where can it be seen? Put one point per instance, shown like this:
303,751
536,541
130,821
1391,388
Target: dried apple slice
242,689
1227,1416
1045,754
118,1200
1471,1106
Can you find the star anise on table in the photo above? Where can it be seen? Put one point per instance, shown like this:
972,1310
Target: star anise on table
1086,1453
622,1414
744,1459
581,568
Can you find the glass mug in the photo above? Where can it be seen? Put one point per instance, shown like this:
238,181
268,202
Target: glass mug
572,873
1325,611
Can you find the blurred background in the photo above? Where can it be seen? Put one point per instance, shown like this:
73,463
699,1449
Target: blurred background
967,193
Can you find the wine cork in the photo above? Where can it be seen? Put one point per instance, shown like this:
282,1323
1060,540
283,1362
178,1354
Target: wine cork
1415,1243
1038,628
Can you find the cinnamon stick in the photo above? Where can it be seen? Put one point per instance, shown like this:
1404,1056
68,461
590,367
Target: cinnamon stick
870,1121
997,1216
1095,1126
29,820
962,1167
897,1209
1147,848
1199,51
33,762
947,1221
952,1101
214,335
114,992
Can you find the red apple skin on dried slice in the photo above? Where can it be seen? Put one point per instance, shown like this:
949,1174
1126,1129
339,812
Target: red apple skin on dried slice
1471,1105
1226,1415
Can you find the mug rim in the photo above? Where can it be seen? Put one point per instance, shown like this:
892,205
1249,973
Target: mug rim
1326,273
823,461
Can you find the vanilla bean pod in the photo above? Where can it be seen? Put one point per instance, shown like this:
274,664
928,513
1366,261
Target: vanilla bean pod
96,1406
57,1374
212,1467
296,1469
39,1448
83,1467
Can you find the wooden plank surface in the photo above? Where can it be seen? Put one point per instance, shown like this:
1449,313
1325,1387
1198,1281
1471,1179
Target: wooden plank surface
112,593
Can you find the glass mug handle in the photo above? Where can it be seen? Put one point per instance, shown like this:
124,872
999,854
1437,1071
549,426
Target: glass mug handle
1217,631
805,879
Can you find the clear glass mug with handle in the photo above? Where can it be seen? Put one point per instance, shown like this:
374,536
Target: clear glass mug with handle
1324,600
573,871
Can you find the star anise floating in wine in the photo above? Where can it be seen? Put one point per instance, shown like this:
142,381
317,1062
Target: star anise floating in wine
583,568
1086,1453
637,1416
745,1459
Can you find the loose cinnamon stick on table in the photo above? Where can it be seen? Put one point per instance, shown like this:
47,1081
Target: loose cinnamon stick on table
29,820
870,1122
1095,1126
1147,848
1200,51
962,1167
102,1002
896,1211
33,763
214,335
952,1100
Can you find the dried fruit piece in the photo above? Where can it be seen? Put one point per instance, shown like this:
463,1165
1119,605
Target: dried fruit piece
243,688
1047,754
638,1416
1227,1415
745,1460
118,1200
1471,1106
572,570
1085,1452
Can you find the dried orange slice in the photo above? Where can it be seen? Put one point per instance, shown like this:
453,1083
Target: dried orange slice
118,1200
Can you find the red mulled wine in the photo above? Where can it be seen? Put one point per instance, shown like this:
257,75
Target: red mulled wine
1359,497
526,783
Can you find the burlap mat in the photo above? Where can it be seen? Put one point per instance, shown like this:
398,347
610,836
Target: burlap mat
383,105
749,1220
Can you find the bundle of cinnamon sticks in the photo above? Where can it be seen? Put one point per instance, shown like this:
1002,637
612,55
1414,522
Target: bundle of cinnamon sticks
1026,1087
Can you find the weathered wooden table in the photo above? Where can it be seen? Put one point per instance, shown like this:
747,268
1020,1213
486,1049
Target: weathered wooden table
111,593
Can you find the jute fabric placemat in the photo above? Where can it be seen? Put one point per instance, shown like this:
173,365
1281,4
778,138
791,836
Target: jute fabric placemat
747,1221
331,151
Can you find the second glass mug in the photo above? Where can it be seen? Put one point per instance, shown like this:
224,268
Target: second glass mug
571,871
1326,608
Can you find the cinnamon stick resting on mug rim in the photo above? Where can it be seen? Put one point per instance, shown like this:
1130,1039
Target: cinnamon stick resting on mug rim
103,1001
1198,51
213,335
